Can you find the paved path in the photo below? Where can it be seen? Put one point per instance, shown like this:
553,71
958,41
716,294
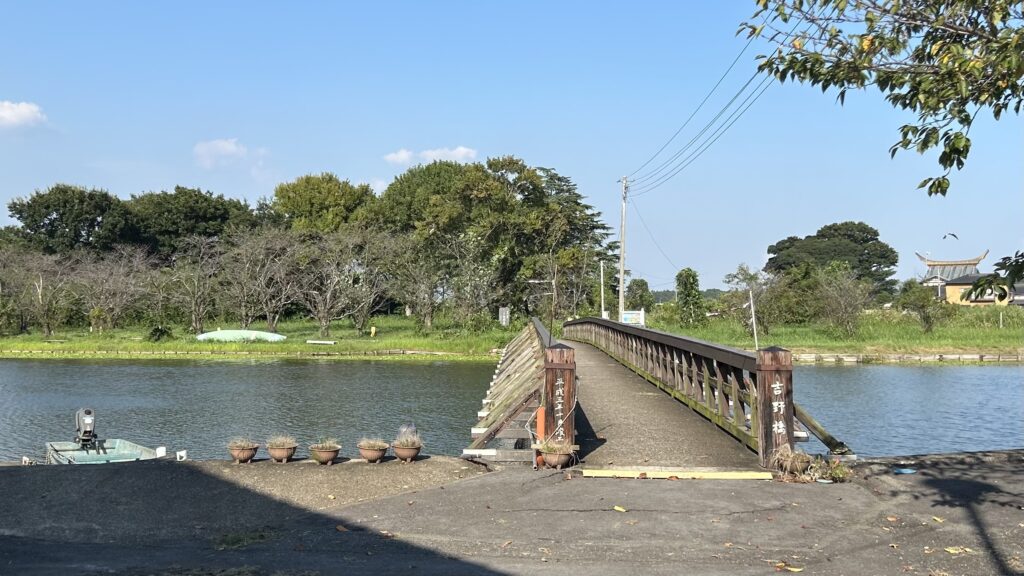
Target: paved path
168,519
629,422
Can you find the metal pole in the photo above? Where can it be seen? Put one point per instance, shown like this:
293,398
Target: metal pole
622,251
554,299
603,314
753,318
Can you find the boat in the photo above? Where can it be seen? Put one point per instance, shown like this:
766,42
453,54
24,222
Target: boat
240,336
98,452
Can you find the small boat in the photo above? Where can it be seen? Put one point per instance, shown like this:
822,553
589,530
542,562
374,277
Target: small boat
240,336
98,452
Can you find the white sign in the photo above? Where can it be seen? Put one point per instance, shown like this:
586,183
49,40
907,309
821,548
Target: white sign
634,318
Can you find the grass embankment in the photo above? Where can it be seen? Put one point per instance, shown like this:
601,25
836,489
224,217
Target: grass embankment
394,333
878,333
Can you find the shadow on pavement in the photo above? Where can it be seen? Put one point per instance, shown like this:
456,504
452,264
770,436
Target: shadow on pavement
586,436
954,481
169,518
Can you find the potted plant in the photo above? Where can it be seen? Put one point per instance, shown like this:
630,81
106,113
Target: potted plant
281,448
242,450
372,449
556,453
325,450
408,443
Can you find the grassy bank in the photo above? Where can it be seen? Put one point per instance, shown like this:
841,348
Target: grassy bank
878,334
394,333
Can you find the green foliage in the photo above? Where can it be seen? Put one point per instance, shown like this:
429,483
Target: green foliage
944,60
1004,282
855,243
922,301
63,218
664,296
160,333
841,297
165,219
638,295
321,202
689,302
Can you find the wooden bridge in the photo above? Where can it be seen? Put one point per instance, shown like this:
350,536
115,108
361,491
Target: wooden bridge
631,398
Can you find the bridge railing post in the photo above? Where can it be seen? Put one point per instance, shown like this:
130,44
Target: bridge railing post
774,423
560,393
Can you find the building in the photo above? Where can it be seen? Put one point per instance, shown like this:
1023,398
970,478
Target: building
954,289
941,272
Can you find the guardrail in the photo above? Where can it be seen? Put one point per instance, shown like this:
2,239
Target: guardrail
748,395
532,397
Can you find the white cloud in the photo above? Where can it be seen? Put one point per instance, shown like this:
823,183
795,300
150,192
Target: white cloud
458,154
20,114
213,153
404,157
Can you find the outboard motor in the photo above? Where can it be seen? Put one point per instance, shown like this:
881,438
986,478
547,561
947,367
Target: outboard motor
85,427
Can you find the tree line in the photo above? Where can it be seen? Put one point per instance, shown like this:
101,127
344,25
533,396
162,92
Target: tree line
445,237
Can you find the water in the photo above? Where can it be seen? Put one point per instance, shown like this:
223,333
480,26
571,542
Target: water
199,405
886,410
878,410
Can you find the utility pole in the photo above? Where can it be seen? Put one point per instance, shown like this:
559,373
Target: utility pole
622,251
604,314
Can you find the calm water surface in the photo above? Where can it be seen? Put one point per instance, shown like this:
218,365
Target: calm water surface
877,410
199,406
884,410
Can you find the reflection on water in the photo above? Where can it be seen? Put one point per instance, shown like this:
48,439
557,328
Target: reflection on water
886,410
199,405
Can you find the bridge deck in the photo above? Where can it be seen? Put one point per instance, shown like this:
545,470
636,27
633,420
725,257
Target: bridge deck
624,421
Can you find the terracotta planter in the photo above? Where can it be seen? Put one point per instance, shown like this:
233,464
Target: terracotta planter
372,455
281,454
556,460
243,455
323,456
406,454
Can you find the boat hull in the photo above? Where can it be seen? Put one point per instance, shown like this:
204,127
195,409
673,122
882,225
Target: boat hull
105,452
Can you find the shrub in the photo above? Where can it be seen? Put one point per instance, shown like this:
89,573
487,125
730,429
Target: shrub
281,442
372,444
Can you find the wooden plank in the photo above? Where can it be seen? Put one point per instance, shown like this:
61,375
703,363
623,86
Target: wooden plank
680,474
774,427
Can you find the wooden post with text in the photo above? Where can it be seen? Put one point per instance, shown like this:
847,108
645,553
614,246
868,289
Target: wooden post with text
559,394
774,402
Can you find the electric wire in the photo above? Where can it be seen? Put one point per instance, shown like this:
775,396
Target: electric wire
699,106
651,234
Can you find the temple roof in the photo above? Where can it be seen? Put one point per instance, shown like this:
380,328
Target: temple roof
950,269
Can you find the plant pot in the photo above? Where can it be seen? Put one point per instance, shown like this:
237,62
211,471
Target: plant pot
372,455
243,455
406,454
556,460
281,453
324,456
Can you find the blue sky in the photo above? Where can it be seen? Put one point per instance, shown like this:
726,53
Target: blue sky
235,97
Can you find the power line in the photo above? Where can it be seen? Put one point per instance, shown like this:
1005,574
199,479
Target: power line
710,140
651,235
699,106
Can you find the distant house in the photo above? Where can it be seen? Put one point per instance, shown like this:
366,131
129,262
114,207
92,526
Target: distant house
940,272
955,288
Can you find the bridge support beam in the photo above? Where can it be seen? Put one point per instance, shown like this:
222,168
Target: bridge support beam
774,420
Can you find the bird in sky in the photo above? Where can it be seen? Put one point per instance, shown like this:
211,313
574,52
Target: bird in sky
950,234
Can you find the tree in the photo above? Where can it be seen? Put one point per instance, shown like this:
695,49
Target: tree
65,217
109,284
841,297
418,281
920,301
320,202
855,243
50,294
944,60
638,295
747,285
689,303
166,219
196,267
